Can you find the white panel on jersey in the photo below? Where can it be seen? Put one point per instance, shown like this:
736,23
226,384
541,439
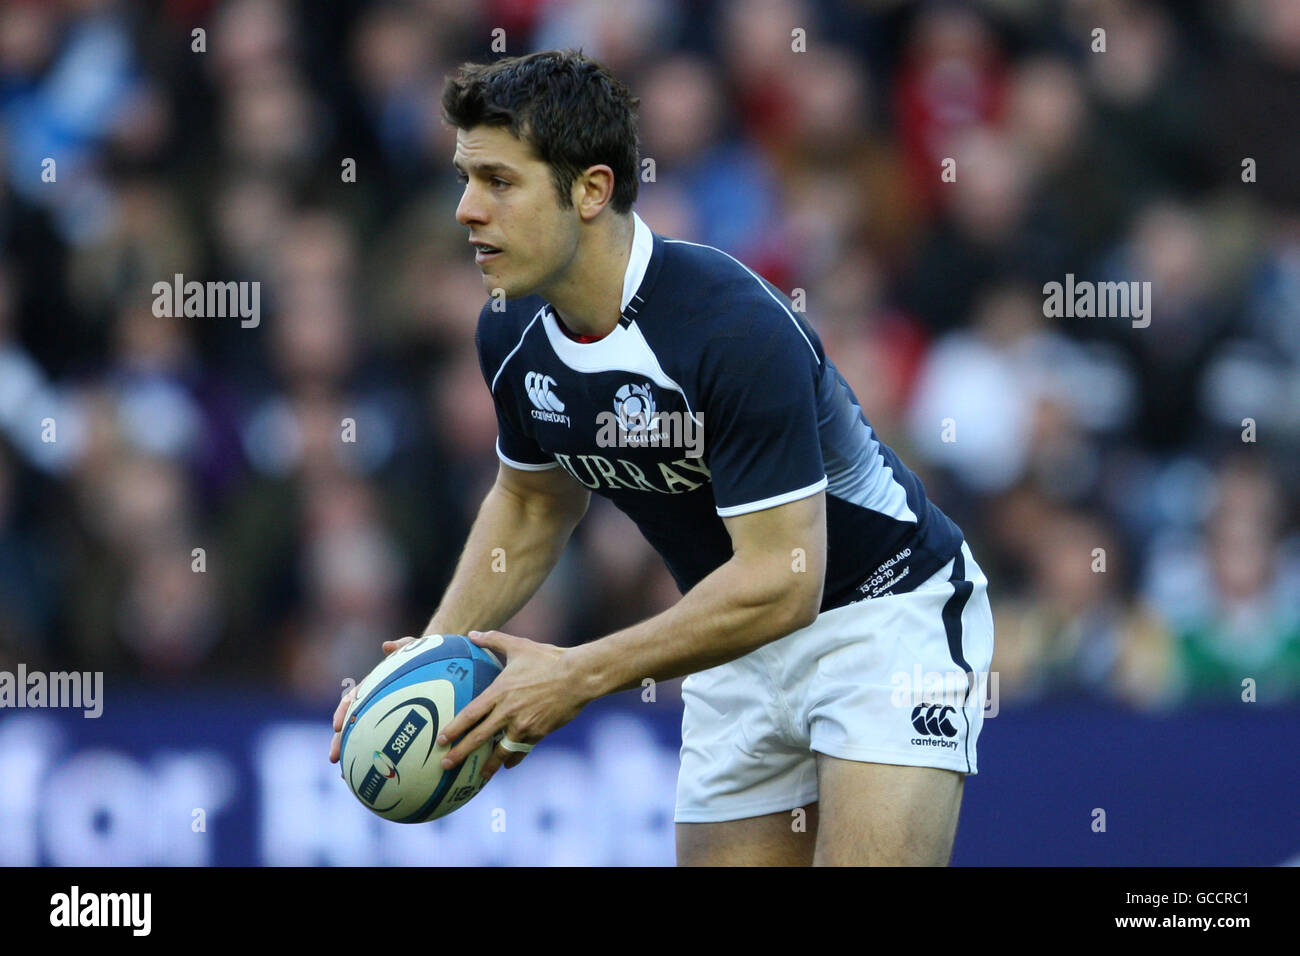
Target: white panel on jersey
855,469
623,350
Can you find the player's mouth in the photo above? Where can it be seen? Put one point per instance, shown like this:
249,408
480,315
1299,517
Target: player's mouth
484,252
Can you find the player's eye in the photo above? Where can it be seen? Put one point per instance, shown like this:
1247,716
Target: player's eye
498,182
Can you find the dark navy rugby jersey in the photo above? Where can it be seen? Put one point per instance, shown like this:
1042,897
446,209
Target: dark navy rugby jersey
711,398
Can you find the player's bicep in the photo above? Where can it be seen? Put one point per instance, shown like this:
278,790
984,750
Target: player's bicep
785,546
552,490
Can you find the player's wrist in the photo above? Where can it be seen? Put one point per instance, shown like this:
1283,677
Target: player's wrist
588,673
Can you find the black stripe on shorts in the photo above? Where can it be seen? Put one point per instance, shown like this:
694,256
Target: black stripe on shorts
952,627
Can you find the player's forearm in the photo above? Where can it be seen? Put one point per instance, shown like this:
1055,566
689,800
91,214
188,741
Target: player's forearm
730,613
509,552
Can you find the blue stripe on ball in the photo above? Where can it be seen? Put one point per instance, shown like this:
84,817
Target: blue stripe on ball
485,667
452,646
415,672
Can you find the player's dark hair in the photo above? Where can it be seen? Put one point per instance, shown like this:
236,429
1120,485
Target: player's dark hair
569,108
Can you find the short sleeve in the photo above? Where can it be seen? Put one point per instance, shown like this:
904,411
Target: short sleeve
760,420
514,447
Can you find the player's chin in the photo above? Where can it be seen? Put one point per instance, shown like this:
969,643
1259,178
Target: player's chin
503,286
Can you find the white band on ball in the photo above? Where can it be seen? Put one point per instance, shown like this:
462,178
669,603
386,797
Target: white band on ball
514,746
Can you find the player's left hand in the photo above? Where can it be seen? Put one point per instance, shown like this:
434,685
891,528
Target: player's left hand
534,694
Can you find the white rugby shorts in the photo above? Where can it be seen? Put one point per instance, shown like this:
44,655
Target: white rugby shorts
900,679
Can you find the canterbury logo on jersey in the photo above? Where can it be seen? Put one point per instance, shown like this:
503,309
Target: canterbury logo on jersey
547,405
932,723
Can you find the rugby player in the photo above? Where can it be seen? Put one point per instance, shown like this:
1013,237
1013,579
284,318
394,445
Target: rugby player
668,377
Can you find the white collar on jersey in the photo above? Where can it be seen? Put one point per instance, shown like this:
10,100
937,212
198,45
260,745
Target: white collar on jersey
643,246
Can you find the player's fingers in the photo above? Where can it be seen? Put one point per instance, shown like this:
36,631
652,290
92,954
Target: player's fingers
493,762
389,646
482,731
466,745
496,641
342,709
336,743
503,756
474,711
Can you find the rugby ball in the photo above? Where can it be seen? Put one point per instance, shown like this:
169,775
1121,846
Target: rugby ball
389,756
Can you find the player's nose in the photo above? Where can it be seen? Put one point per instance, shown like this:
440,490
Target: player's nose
469,211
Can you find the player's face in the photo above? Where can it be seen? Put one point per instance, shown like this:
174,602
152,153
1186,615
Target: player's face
510,205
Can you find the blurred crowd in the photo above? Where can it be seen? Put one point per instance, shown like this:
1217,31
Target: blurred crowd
178,502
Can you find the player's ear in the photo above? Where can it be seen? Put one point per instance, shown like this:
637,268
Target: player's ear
592,191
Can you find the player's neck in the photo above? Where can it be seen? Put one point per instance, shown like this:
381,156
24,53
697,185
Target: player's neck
589,298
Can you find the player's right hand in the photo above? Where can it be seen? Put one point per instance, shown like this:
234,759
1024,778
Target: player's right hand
336,745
